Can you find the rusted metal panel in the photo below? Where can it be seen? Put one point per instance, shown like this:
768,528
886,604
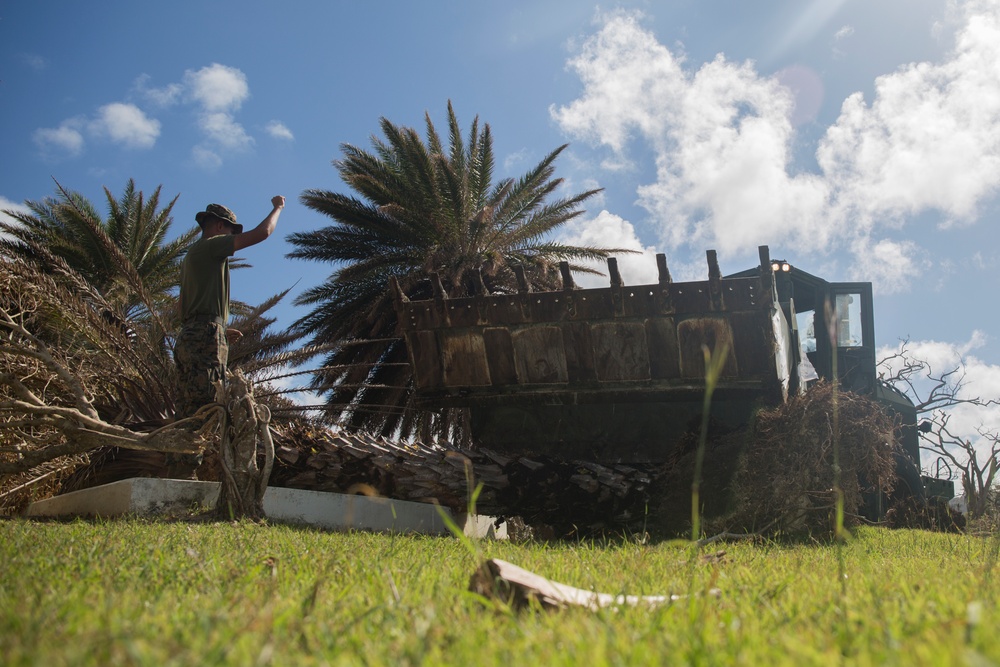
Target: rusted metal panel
620,351
425,359
694,334
500,355
753,343
691,298
615,372
539,355
579,352
603,335
463,359
664,355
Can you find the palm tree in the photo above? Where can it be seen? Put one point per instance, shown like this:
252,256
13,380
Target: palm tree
136,228
424,208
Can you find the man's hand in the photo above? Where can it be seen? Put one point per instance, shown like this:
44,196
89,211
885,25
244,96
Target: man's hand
264,229
233,335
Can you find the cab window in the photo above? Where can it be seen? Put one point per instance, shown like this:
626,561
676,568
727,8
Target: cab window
848,320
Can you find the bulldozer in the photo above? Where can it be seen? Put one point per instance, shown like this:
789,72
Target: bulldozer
617,374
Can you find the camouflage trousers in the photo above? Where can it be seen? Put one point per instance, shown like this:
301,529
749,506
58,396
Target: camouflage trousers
200,353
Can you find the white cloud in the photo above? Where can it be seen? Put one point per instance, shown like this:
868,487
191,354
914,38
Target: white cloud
608,230
279,130
514,160
844,32
217,87
930,140
722,140
839,38
206,158
126,124
123,124
294,380
216,92
219,91
221,129
34,61
889,265
162,97
11,205
630,83
63,141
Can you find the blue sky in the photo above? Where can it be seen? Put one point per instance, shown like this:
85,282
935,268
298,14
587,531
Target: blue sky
860,140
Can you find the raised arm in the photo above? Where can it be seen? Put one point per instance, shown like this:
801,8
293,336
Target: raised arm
263,230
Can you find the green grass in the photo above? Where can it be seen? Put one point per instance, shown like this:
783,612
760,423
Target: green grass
161,593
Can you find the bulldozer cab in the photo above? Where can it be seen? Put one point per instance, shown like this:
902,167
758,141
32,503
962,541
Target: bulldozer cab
833,327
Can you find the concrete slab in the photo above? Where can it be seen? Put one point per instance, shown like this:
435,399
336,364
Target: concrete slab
334,511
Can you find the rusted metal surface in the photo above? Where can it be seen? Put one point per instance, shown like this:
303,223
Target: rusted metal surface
559,357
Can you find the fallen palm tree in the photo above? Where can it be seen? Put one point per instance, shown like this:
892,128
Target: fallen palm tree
775,477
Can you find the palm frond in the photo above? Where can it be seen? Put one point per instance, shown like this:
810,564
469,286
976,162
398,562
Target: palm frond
420,207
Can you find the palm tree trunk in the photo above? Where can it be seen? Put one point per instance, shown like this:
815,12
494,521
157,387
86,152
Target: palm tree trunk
245,435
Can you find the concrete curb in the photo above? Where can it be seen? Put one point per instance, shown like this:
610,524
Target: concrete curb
334,511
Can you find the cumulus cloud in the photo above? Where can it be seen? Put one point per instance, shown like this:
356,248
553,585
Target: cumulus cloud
219,91
930,140
11,205
221,129
844,32
722,137
216,92
162,97
217,87
123,124
66,140
279,130
206,158
126,124
630,81
34,61
890,264
608,230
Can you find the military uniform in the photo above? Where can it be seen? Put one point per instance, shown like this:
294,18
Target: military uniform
201,350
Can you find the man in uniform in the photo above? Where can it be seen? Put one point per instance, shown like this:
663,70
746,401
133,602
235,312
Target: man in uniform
201,351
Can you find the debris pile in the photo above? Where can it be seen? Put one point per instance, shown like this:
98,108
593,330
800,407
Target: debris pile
774,476
564,497
786,481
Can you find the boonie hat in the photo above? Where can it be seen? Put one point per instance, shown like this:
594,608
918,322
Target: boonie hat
222,213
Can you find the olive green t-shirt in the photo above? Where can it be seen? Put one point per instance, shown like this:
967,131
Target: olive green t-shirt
205,278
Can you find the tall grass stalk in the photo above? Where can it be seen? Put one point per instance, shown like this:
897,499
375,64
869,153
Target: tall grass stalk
715,360
697,640
840,533
472,546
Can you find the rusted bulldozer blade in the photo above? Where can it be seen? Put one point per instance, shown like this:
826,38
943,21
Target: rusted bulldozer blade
500,580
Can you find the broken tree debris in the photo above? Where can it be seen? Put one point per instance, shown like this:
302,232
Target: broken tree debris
774,477
499,580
